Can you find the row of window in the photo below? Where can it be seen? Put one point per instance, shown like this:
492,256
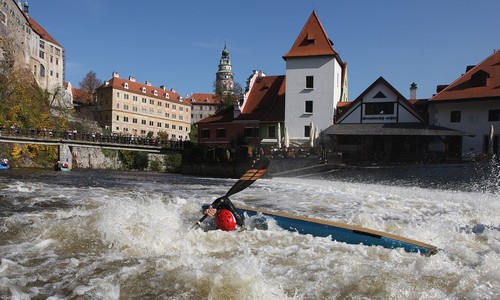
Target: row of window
493,116
151,101
152,123
159,112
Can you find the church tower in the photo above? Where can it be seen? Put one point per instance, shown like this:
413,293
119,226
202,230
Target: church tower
224,81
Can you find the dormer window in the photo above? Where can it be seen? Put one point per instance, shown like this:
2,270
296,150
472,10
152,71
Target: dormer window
206,100
143,89
155,92
167,96
193,100
125,85
479,78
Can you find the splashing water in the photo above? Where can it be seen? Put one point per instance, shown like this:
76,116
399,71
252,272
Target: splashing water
113,235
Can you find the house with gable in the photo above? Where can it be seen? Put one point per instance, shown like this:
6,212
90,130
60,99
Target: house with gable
382,126
472,104
259,117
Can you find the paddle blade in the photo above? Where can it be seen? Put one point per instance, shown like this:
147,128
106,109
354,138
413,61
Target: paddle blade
250,176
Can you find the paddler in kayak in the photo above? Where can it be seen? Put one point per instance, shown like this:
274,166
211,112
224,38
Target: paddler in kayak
225,215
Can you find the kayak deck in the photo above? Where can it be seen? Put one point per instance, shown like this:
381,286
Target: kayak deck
341,232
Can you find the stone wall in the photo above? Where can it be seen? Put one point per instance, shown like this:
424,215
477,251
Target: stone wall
95,158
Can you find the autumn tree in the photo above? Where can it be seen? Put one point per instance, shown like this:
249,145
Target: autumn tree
89,84
227,98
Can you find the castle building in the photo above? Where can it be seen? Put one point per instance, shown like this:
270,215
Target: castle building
127,107
32,45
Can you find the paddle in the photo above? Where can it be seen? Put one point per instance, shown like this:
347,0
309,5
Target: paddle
250,176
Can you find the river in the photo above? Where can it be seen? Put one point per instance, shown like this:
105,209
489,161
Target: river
96,234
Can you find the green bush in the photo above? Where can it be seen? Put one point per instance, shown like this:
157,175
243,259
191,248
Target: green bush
134,160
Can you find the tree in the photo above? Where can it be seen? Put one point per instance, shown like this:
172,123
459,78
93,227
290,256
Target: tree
89,84
227,98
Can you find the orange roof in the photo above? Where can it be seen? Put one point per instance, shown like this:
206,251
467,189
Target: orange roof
42,32
265,103
312,40
202,99
136,87
481,81
81,96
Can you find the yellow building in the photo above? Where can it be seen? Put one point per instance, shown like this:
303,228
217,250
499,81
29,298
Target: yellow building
127,107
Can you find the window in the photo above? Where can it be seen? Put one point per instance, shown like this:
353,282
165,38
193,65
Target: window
494,115
117,94
143,89
309,107
382,108
271,131
309,82
174,126
118,118
41,54
205,133
42,71
151,101
151,123
126,96
125,85
455,116
42,44
158,124
125,119
167,125
134,120
307,131
144,100
221,133
250,132
143,122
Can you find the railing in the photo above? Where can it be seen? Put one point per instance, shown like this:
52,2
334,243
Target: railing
91,137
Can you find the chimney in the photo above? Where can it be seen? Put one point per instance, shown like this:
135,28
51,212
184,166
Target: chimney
172,90
413,91
163,87
116,75
131,78
148,83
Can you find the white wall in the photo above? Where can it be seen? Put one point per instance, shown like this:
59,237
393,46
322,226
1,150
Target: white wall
326,93
474,120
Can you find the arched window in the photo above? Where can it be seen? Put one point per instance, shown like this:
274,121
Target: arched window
42,70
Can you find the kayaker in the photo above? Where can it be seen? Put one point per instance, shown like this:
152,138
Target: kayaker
226,215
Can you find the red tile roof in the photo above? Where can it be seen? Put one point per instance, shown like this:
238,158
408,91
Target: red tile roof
265,103
81,96
136,87
202,99
42,32
312,40
479,82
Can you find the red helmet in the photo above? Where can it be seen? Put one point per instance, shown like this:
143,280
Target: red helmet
225,220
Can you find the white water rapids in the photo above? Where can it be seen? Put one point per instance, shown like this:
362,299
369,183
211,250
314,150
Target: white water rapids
113,235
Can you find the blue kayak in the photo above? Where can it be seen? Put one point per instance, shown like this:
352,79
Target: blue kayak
4,167
341,232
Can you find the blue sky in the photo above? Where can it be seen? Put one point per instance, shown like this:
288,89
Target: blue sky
178,43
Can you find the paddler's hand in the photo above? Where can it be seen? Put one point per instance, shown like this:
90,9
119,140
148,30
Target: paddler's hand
210,211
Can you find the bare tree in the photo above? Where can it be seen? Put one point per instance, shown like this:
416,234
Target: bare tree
89,84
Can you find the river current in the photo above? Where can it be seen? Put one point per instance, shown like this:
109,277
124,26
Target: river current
95,234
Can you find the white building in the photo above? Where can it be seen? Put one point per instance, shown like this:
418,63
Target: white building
471,104
315,83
